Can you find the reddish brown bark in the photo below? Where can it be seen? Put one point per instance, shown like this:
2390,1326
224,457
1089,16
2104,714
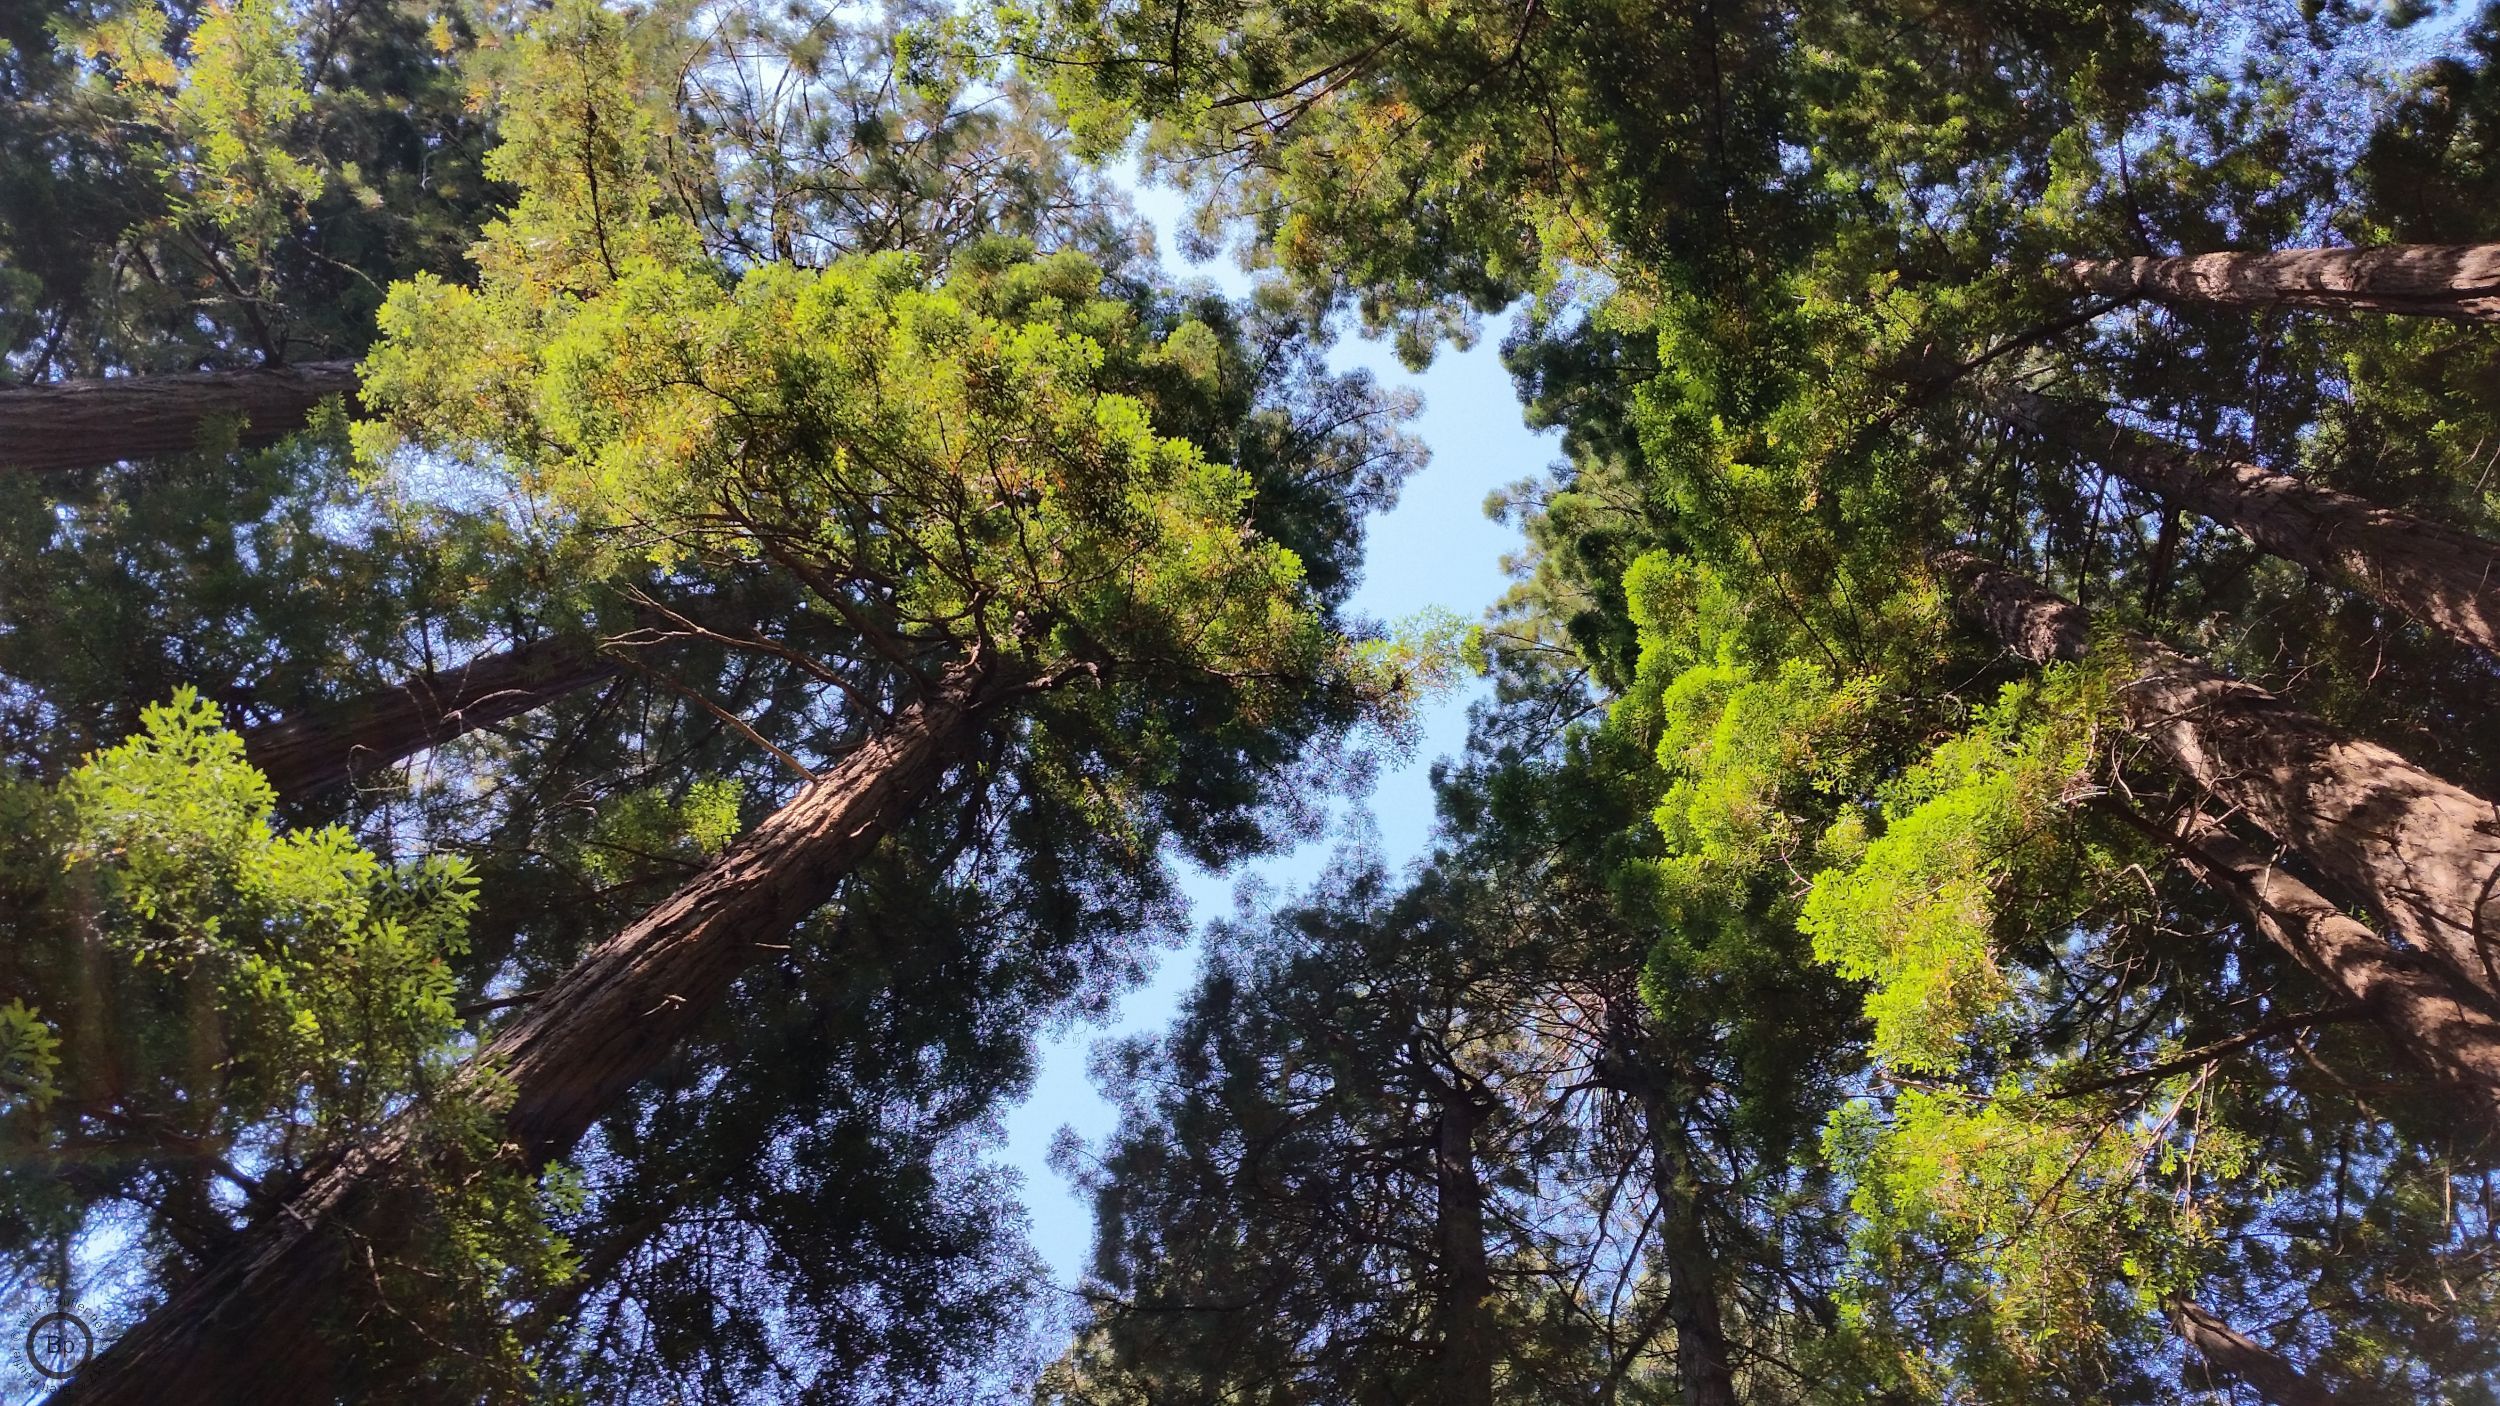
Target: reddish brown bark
88,424
2424,570
2428,1017
2431,280
2268,1372
331,746
2419,850
245,1331
1466,1350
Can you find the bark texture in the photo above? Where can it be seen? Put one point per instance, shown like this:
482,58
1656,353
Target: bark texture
332,746
1703,1368
1466,1276
2428,1016
2424,570
2419,850
2268,1372
87,424
2459,281
245,1331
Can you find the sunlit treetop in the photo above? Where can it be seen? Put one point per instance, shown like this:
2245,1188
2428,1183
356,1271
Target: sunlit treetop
1433,162
973,468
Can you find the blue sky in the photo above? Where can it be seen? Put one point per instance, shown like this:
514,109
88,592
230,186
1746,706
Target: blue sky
1436,549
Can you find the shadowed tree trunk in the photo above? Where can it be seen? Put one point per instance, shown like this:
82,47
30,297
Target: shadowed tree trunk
1701,1356
2419,850
2229,1350
87,424
340,742
1702,1364
2432,280
334,745
2426,571
2428,1016
245,1331
1466,1353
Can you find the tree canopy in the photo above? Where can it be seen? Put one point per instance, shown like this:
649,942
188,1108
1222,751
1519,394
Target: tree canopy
615,609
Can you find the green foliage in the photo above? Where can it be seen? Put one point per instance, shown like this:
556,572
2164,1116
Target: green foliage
29,1055
226,183
223,117
198,990
644,826
1764,249
331,956
330,967
482,1238
918,398
639,393
803,323
1915,914
2041,1215
1794,959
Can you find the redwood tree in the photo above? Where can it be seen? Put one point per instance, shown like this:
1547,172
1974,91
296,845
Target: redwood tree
2415,566
86,424
1027,577
2427,280
1738,223
2417,848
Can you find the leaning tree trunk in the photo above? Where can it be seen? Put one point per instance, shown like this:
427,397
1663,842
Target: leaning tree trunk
2427,1015
2432,280
2266,1371
245,1330
331,746
2427,571
2419,850
1466,1352
90,423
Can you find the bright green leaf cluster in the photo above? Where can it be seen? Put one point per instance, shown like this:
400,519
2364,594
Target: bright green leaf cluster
224,114
2039,1210
643,826
1914,916
29,1054
330,966
977,462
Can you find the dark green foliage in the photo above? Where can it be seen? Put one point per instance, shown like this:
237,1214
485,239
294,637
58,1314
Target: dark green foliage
801,1204
129,242
1770,252
1802,1000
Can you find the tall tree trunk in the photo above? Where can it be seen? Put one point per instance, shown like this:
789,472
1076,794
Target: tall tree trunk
1466,1355
245,1330
88,424
1701,1355
2428,1016
2429,572
2432,280
331,746
2229,1350
1693,1307
1702,1363
2422,852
